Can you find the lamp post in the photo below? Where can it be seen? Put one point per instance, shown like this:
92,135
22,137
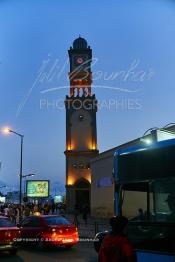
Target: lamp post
6,131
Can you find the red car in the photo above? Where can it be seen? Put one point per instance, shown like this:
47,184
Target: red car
9,234
48,230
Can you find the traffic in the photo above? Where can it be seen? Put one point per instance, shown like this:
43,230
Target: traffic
42,231
48,230
9,232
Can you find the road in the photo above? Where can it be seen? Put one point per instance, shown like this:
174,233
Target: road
83,252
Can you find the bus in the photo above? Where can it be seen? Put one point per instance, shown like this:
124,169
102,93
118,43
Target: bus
144,178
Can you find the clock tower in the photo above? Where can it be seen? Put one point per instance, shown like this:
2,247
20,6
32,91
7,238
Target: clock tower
81,133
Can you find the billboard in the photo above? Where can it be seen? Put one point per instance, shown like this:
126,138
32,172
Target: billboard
37,188
58,199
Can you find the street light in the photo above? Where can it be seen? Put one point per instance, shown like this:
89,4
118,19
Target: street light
8,130
25,176
28,175
148,139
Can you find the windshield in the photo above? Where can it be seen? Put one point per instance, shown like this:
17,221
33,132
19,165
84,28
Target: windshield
163,195
155,203
5,222
57,221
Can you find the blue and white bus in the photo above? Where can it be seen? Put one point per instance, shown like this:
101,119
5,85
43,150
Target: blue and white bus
145,193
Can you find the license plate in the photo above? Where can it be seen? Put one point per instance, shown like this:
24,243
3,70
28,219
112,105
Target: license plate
67,240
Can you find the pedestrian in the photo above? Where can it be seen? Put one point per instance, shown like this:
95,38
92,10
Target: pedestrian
26,211
46,209
6,211
141,215
35,209
85,213
18,214
56,207
76,213
1,210
115,246
10,212
53,208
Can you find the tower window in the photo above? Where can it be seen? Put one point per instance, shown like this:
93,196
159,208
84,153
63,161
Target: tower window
88,166
81,165
74,165
81,117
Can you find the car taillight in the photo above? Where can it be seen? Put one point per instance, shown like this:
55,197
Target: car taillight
7,234
54,230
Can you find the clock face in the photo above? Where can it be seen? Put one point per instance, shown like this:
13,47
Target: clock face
80,60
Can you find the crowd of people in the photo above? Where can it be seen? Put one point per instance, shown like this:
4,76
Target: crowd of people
17,213
13,211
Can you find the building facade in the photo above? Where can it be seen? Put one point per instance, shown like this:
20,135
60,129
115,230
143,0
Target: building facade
81,132
102,186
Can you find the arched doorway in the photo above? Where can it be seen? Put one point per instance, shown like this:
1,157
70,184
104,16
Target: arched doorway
82,193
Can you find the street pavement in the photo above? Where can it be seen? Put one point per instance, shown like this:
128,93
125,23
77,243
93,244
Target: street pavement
83,252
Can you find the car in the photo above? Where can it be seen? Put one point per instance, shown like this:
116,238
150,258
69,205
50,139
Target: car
48,230
9,234
98,240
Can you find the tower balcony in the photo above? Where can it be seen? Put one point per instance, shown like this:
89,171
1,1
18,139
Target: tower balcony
90,152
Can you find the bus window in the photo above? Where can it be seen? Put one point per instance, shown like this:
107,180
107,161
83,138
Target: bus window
135,198
135,201
134,205
164,200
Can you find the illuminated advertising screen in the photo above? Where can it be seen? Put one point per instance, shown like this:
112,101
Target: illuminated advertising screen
2,199
37,188
58,199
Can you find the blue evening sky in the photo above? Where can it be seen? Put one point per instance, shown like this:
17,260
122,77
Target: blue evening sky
135,38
